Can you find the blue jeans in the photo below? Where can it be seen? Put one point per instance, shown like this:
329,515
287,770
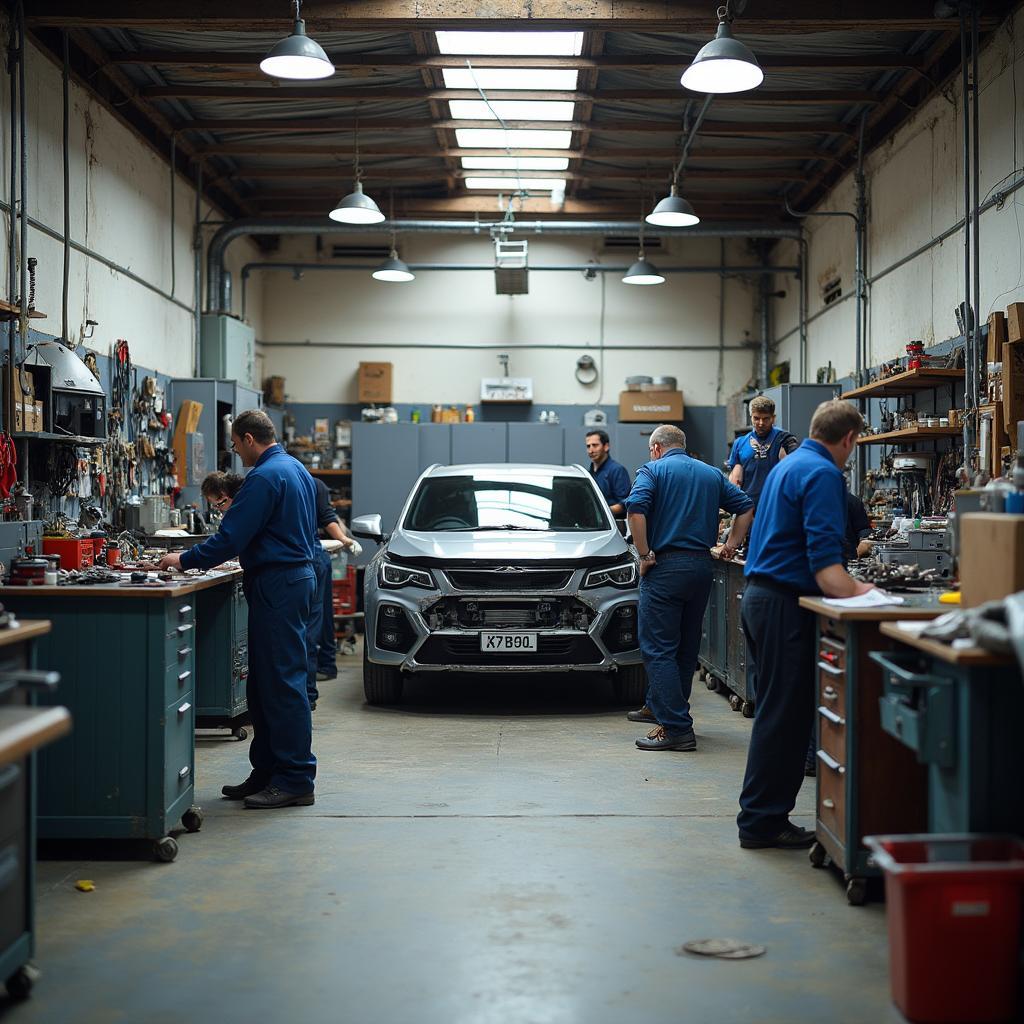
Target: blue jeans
673,597
321,619
280,600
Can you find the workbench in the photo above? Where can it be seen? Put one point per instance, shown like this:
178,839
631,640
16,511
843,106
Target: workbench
960,710
23,729
868,783
723,647
127,659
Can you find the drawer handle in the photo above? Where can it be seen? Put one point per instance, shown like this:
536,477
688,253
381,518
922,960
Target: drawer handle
830,693
828,656
830,669
184,628
828,803
9,776
183,774
184,708
182,676
184,610
831,716
831,762
184,652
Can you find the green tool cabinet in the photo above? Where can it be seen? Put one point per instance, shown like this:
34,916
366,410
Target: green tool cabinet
127,657
723,648
222,648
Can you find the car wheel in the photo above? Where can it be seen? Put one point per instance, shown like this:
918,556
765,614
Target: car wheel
382,684
630,685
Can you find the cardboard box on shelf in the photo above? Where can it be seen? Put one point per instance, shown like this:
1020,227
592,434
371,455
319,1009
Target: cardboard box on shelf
1013,386
375,383
24,385
991,557
650,407
997,337
273,391
1015,321
28,417
185,423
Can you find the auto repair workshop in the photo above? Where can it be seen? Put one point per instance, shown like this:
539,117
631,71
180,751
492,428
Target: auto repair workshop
512,512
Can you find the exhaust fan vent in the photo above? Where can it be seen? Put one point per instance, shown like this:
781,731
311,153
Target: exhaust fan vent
360,252
631,243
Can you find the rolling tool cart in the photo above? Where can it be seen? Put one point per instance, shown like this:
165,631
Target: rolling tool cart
222,648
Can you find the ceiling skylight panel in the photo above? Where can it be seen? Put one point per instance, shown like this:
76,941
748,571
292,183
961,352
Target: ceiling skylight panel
531,44
512,110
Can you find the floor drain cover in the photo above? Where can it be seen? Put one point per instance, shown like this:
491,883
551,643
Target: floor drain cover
723,949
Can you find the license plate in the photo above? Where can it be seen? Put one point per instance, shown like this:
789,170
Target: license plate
502,643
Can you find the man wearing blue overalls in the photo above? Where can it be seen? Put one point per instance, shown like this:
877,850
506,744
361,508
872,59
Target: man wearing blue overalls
271,528
756,454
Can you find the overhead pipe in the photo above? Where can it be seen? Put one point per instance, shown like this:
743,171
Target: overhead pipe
980,369
23,162
581,268
12,250
216,300
970,364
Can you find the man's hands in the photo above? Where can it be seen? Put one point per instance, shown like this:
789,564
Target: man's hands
171,561
727,552
648,563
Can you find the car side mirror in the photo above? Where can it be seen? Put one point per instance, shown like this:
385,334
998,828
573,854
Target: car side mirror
368,527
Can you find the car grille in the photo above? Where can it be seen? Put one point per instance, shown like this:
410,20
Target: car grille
465,650
542,612
500,578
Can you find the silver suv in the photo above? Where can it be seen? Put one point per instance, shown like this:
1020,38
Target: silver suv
498,568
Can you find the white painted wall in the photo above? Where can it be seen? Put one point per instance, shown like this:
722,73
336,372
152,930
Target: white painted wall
915,192
120,207
461,308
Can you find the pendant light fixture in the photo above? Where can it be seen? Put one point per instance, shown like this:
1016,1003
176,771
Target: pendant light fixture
393,269
357,207
724,64
297,57
643,271
673,212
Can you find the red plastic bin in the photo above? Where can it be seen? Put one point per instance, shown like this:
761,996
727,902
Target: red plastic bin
343,593
954,908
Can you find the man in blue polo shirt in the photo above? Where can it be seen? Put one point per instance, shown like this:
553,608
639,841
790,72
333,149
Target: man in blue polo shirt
756,454
271,527
673,518
796,547
611,476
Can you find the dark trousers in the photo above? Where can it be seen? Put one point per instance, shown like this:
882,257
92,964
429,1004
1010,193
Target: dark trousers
280,601
780,638
673,596
321,621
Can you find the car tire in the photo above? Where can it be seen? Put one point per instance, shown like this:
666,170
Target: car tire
629,685
382,684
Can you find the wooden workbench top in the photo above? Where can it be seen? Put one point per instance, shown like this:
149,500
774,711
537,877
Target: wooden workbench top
915,606
24,631
24,729
945,652
172,588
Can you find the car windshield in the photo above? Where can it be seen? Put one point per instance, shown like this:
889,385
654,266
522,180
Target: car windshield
541,501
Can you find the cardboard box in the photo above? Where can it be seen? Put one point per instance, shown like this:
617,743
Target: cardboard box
997,441
991,557
375,383
997,337
28,417
24,385
650,407
1015,321
273,391
1013,386
186,422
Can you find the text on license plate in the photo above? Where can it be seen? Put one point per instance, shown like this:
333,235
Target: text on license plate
496,642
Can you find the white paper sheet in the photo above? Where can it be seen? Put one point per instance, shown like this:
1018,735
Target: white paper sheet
872,599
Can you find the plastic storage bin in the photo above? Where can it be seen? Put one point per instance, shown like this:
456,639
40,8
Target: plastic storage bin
954,907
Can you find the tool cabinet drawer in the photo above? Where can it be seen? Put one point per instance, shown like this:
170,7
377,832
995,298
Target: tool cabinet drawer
831,687
180,612
832,795
832,733
834,629
179,643
179,678
12,798
832,652
14,894
179,747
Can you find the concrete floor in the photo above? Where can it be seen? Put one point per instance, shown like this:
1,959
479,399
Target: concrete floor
496,850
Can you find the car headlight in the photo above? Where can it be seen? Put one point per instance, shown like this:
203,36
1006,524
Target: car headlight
615,576
395,576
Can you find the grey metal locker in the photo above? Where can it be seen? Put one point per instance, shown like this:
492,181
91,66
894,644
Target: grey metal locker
536,442
435,444
630,445
385,465
576,444
479,442
795,404
217,398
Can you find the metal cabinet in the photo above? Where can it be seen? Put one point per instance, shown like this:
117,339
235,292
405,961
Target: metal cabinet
222,662
434,444
539,443
795,404
723,652
479,442
127,665
630,445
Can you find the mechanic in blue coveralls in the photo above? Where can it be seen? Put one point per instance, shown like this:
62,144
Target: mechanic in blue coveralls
611,476
756,454
271,528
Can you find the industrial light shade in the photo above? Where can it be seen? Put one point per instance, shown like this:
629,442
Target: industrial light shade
393,269
643,272
673,212
723,65
357,208
297,57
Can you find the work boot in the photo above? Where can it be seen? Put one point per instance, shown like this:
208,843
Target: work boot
659,739
247,788
272,797
643,714
792,837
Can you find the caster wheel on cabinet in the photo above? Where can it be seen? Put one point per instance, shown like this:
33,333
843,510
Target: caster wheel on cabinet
736,703
165,849
192,819
710,682
21,983
857,892
817,855
748,709
241,734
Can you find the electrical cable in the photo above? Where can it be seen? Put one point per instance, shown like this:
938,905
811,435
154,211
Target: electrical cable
66,78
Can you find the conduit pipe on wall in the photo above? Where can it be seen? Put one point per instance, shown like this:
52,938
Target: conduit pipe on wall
216,300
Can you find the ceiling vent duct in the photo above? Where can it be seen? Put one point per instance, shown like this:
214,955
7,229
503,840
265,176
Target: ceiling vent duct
614,243
510,270
360,252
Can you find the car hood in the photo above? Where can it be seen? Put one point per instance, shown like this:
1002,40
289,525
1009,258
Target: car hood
500,546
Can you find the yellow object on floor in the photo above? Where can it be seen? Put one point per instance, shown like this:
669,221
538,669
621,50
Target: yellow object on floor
953,597
85,885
